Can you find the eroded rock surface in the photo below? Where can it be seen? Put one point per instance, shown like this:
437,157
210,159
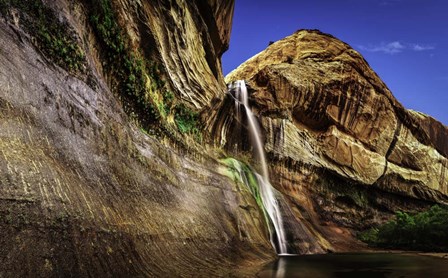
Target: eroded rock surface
341,146
190,37
97,179
84,191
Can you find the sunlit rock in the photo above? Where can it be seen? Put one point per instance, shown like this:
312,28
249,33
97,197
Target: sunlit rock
341,147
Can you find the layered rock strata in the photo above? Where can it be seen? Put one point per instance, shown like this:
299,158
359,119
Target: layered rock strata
84,191
337,138
104,170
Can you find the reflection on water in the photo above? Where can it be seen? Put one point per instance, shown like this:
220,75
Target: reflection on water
363,265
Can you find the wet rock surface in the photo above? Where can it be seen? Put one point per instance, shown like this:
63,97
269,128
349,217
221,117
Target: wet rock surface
342,148
85,191
88,190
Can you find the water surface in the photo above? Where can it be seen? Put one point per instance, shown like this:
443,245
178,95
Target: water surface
363,265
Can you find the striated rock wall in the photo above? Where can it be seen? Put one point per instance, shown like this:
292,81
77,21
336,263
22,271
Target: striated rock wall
189,37
104,170
84,190
341,146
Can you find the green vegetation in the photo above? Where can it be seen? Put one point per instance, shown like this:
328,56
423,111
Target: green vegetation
425,231
135,80
105,24
186,120
144,94
128,69
242,173
53,37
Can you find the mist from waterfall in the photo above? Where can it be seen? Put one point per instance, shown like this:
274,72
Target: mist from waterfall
269,201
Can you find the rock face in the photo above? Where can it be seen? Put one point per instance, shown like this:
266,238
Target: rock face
84,190
105,168
190,37
341,146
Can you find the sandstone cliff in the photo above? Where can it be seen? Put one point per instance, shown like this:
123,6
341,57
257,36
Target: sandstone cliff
341,147
114,118
84,190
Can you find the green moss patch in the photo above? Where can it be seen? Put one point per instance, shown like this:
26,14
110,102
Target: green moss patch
53,37
187,120
143,92
243,174
145,96
128,70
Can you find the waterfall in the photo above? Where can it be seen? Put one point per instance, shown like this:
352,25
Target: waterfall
266,191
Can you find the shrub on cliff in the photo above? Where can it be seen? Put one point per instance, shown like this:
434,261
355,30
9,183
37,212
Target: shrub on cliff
425,231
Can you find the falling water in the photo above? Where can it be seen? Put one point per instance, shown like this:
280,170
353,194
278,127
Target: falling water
266,190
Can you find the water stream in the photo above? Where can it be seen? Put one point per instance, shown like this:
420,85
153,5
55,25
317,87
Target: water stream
270,204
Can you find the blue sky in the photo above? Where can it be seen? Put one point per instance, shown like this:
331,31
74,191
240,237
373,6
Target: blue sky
404,41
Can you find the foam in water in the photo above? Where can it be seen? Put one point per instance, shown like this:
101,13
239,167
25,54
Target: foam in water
266,190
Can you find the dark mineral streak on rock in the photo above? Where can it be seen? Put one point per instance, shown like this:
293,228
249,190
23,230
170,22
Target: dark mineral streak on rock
83,191
86,192
343,150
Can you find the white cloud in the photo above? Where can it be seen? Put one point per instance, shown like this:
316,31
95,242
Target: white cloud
395,47
388,48
420,47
